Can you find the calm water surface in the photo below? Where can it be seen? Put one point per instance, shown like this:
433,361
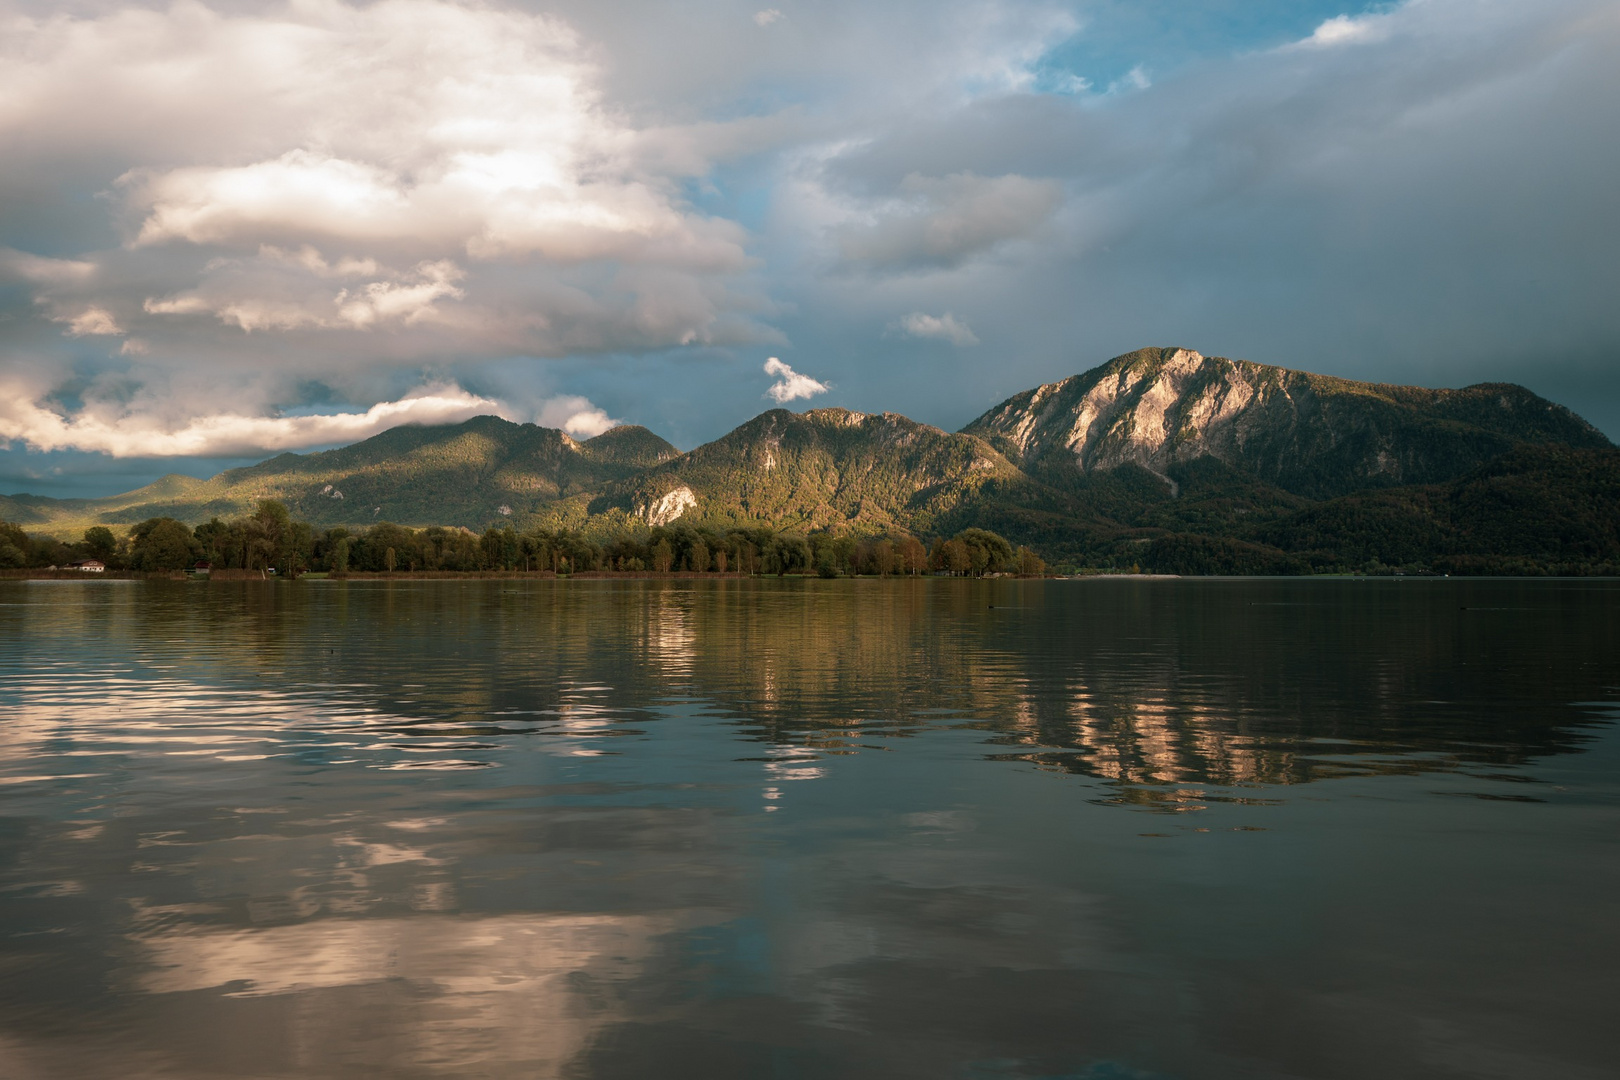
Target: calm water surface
1101,830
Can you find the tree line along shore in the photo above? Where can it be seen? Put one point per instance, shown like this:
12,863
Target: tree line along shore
271,540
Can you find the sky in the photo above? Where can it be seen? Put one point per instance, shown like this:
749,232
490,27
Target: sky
229,230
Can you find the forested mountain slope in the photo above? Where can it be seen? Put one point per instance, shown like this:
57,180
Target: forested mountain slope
1538,506
822,469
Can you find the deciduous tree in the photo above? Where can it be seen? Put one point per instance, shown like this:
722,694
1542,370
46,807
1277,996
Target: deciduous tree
913,556
987,552
162,544
100,543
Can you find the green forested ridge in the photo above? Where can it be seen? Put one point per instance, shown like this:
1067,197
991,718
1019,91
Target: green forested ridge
1159,460
823,469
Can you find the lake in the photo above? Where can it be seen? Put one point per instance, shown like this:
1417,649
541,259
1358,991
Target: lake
932,828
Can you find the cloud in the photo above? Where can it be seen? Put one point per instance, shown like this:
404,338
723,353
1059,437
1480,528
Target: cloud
1347,30
945,327
278,291
575,415
1134,79
120,433
495,202
943,221
790,385
92,321
21,266
768,16
423,135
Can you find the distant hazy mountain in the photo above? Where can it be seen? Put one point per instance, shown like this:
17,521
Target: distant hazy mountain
1312,435
458,474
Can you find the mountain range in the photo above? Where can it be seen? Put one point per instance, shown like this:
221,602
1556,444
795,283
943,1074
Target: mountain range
1160,458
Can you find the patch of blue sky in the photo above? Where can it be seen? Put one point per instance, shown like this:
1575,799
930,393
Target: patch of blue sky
739,191
58,220
1127,44
312,397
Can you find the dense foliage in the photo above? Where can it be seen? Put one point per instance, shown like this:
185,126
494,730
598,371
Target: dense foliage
1536,510
270,539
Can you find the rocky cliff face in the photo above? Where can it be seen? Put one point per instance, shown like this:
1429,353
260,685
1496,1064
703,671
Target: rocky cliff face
1311,434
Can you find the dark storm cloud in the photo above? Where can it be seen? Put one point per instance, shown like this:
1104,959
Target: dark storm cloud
1423,195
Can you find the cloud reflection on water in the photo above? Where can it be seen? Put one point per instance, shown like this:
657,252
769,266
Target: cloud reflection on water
466,978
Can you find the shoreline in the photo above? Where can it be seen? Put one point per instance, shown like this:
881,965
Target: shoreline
47,574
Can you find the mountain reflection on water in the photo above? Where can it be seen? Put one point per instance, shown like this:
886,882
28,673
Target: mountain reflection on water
807,828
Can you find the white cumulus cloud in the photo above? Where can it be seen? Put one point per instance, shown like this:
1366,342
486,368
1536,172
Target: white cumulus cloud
122,433
575,415
392,182
790,385
946,327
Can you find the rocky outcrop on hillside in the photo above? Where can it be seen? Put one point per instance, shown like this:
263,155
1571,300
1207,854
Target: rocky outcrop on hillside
822,469
1313,435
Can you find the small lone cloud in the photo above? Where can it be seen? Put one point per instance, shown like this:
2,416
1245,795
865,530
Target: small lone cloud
575,415
768,16
1070,83
946,327
790,385
1134,79
92,322
1347,30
